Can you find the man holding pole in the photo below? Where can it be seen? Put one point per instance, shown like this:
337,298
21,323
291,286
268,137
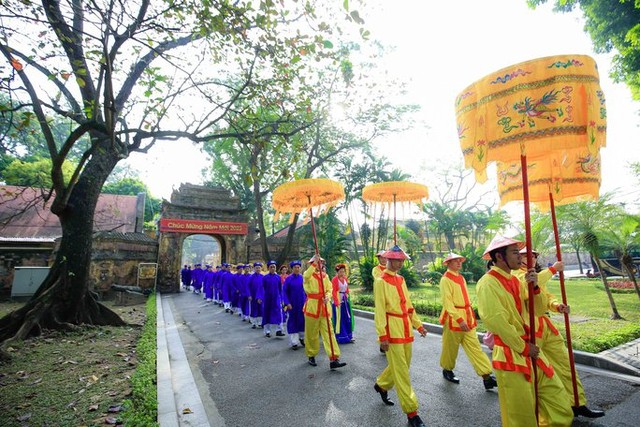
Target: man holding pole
395,319
503,309
551,342
459,325
317,314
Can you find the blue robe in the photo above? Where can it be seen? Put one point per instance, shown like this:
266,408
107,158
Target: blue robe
293,293
255,289
185,274
243,289
208,284
271,299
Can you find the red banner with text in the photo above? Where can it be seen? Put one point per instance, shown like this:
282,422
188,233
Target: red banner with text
195,226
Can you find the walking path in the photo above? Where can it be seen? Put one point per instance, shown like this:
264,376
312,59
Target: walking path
179,394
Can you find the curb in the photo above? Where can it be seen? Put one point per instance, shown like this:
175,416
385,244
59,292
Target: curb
175,379
581,357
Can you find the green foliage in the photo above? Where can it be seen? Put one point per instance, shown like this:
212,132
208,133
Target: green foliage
332,243
611,339
432,277
361,274
410,274
131,187
142,409
613,26
34,173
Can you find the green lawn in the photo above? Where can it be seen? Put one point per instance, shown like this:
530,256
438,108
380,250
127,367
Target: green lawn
591,328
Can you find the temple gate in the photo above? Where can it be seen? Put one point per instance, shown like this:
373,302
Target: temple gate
195,209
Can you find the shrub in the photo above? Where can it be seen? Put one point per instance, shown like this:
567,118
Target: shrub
432,277
618,286
611,339
142,409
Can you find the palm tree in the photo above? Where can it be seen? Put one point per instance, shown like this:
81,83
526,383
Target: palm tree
622,237
588,221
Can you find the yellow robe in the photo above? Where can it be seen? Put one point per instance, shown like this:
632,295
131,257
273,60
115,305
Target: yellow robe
551,342
317,315
456,308
503,311
395,318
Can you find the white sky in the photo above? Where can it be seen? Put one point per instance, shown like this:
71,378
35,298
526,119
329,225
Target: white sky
443,46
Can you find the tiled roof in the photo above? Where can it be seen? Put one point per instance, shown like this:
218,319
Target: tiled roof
25,215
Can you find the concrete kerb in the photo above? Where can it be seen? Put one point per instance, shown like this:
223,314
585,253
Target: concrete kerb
175,383
580,357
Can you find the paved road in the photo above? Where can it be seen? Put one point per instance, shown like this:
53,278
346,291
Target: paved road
245,379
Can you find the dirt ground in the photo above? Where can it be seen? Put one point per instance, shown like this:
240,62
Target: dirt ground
70,379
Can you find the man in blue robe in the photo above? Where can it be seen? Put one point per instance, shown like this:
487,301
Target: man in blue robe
255,289
185,276
208,283
271,301
293,298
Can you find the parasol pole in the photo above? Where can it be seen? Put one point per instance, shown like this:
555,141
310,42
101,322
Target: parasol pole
395,234
320,279
527,227
567,325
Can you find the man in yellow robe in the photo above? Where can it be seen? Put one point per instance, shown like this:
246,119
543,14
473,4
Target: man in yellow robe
503,309
395,319
382,264
317,314
548,338
459,325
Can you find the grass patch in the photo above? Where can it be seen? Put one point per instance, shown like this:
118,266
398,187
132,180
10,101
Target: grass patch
142,408
71,379
592,330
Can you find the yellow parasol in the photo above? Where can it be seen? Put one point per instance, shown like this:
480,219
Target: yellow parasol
539,107
392,192
298,196
551,103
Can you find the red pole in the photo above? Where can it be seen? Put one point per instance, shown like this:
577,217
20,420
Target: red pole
395,234
320,280
563,291
527,227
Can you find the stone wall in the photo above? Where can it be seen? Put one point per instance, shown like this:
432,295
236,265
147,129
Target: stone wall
116,258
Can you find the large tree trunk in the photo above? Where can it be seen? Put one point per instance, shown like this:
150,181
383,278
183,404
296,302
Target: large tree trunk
64,301
614,310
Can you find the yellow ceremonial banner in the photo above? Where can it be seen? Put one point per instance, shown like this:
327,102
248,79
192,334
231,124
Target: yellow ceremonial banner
534,107
571,176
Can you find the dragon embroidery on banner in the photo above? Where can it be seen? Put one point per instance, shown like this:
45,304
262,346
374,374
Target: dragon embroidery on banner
532,109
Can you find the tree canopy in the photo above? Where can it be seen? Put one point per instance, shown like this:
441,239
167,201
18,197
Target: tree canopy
613,25
127,74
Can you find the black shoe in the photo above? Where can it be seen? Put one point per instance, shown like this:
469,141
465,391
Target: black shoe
335,364
268,335
312,361
586,412
489,382
416,421
279,334
294,347
301,342
226,310
384,395
450,376
254,327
